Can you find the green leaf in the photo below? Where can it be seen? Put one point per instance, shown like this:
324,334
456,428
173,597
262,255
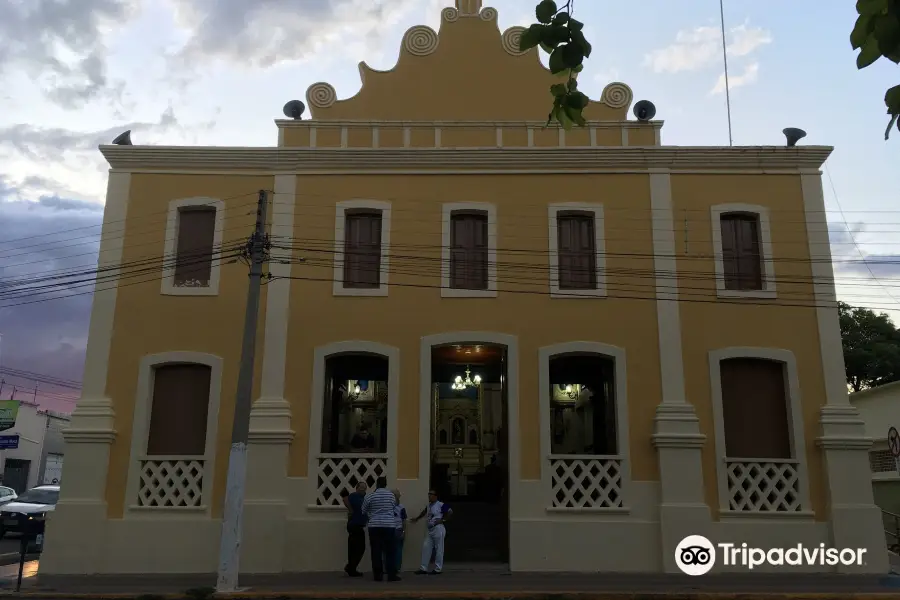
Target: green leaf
531,37
572,85
892,100
554,35
547,49
558,89
887,132
561,19
579,39
562,115
574,114
557,62
871,7
575,25
887,32
868,54
577,100
545,11
578,69
864,26
572,55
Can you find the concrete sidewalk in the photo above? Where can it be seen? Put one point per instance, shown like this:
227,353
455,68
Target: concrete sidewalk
480,586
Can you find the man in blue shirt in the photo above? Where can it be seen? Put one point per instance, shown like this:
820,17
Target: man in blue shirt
379,510
356,528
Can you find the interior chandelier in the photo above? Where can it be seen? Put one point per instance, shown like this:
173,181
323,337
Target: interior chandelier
460,384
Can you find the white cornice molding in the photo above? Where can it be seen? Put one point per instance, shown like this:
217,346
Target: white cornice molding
340,123
199,159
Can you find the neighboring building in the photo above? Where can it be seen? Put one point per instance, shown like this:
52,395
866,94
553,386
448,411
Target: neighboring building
38,458
413,215
879,408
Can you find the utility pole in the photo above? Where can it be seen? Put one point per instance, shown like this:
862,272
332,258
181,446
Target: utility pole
230,544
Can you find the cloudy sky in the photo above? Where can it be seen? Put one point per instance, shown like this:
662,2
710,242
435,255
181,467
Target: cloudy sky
217,72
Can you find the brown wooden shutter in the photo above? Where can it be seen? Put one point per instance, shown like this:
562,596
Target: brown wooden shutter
754,409
577,252
741,256
469,251
362,250
179,410
194,249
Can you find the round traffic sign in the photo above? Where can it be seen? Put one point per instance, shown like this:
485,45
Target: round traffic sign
894,441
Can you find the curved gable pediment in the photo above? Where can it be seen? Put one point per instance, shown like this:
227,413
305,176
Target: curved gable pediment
468,71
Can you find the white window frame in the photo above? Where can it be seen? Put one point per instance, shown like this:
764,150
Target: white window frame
172,221
795,424
446,226
599,248
140,431
765,240
340,232
545,355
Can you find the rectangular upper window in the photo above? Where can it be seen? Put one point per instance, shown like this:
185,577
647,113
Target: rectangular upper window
362,250
195,246
469,250
577,251
741,252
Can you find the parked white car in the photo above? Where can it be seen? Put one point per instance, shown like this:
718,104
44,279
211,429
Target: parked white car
30,507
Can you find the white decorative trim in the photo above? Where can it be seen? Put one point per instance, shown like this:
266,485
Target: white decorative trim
450,14
173,219
624,136
420,40
794,410
278,299
596,210
823,289
765,242
103,311
617,95
317,399
140,427
340,224
512,398
321,95
448,209
511,39
488,13
623,449
586,159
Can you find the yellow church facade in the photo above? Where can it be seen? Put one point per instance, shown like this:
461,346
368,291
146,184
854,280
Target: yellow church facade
592,344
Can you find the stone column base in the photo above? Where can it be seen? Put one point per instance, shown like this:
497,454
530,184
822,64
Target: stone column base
683,510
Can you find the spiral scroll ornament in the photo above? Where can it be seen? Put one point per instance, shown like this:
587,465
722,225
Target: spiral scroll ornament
450,14
488,13
321,95
617,95
511,39
421,40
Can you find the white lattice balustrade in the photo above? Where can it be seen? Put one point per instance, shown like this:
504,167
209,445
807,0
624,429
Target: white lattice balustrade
763,486
586,481
171,483
338,472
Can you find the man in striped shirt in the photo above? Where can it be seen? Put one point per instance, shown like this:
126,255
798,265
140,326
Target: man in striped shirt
379,509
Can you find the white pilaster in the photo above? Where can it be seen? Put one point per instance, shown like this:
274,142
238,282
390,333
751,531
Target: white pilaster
677,437
81,512
855,519
265,506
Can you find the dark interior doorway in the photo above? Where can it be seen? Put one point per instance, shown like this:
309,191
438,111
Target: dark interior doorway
15,474
469,449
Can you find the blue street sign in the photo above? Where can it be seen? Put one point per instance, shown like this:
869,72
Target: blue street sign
9,442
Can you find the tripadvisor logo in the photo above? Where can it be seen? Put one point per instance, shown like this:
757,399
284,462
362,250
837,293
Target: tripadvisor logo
696,555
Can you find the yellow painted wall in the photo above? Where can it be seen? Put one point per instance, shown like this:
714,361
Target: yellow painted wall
147,322
409,313
708,324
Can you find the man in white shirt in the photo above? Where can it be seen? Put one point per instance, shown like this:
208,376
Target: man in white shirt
379,509
437,512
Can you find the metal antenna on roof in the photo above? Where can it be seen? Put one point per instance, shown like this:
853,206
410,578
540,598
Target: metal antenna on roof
725,59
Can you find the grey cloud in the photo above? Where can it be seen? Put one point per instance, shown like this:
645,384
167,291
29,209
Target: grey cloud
878,265
61,235
266,32
36,32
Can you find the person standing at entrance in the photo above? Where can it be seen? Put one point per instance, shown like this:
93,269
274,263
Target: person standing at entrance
437,513
356,528
379,510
